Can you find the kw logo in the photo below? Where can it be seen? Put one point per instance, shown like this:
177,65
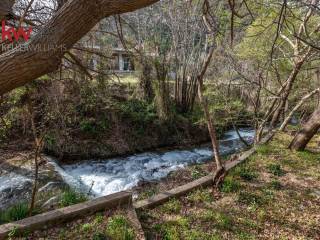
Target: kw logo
10,33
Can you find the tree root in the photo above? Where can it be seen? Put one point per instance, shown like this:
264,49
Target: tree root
219,176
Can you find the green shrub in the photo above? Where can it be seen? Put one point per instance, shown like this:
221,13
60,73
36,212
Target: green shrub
275,169
89,127
138,111
119,229
70,197
15,213
230,185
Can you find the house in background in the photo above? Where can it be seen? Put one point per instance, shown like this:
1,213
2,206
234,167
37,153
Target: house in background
123,62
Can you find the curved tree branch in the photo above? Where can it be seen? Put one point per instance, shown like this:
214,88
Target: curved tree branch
43,53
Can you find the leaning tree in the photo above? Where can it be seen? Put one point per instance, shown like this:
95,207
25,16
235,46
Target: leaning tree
43,53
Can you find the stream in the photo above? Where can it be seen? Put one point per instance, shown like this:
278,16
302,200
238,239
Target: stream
113,175
103,177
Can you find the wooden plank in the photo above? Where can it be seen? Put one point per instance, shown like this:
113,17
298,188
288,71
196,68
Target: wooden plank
179,191
67,213
135,222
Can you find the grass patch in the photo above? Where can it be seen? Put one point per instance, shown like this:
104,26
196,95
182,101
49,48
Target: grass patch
99,236
200,195
245,236
197,172
275,185
276,170
309,156
119,229
249,198
230,184
247,173
263,149
70,197
172,206
148,193
14,213
219,219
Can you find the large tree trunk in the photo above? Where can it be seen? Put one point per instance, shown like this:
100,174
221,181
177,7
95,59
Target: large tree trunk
299,104
307,132
5,8
145,83
45,50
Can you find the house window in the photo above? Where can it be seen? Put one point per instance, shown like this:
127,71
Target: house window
126,64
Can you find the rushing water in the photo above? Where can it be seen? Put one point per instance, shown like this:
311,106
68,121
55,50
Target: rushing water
113,175
118,174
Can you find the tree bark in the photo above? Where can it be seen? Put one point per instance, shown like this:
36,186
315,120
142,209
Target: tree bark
307,132
145,83
286,92
299,104
43,53
6,8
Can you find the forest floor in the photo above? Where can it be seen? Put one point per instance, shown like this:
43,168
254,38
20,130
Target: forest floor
275,194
